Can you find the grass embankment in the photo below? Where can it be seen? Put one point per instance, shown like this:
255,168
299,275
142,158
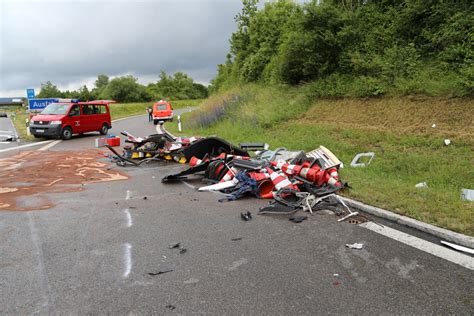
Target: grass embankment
117,110
398,129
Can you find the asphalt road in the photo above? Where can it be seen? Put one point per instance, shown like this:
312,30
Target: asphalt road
93,253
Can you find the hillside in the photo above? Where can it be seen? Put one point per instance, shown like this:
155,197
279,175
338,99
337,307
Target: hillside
398,129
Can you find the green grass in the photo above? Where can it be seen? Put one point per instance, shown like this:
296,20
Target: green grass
408,150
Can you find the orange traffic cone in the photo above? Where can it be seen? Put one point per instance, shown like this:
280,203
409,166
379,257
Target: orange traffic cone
280,180
266,187
229,175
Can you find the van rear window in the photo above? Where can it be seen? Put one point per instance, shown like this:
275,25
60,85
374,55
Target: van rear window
161,107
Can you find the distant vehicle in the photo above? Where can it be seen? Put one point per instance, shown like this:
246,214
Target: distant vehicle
3,114
162,111
66,119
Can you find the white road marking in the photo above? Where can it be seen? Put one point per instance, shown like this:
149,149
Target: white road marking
128,195
423,245
129,217
127,260
54,143
25,146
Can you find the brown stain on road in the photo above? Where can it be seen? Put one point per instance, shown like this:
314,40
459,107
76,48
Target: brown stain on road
27,178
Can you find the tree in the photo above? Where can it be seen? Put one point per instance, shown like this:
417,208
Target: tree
125,89
49,90
84,94
101,82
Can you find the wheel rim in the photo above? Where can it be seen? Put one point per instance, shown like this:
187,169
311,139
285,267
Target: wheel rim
104,129
67,133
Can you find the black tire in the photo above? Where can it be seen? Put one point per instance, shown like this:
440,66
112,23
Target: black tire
155,122
171,119
36,136
104,129
66,133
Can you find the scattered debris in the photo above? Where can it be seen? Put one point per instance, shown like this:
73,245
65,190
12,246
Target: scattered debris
356,161
467,195
183,250
357,246
336,274
336,283
421,185
434,125
294,179
277,208
171,307
447,142
173,246
246,216
145,198
458,247
237,239
128,195
159,272
297,219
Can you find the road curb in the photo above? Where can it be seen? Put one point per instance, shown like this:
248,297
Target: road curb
441,233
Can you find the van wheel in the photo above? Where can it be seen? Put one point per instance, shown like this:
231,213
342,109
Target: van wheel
104,129
66,133
155,122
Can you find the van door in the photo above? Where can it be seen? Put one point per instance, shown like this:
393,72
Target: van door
88,117
75,119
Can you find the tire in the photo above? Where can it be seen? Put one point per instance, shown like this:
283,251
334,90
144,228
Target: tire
171,119
36,136
104,129
66,133
155,122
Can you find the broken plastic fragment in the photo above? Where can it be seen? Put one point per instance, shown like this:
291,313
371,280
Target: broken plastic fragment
447,142
467,195
355,162
246,216
458,247
173,246
159,272
183,250
421,185
355,246
297,219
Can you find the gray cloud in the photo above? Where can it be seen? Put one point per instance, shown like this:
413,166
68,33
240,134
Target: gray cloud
71,42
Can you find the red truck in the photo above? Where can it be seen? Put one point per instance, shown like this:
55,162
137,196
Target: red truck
162,111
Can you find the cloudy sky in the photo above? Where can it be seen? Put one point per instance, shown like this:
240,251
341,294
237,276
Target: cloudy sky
70,42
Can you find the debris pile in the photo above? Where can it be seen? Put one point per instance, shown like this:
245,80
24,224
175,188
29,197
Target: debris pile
293,180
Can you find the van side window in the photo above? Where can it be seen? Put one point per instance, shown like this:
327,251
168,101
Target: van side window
74,111
102,109
87,109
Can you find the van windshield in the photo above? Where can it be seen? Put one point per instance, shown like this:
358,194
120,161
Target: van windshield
56,108
161,107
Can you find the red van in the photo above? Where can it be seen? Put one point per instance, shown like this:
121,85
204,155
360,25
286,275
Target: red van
162,111
66,119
